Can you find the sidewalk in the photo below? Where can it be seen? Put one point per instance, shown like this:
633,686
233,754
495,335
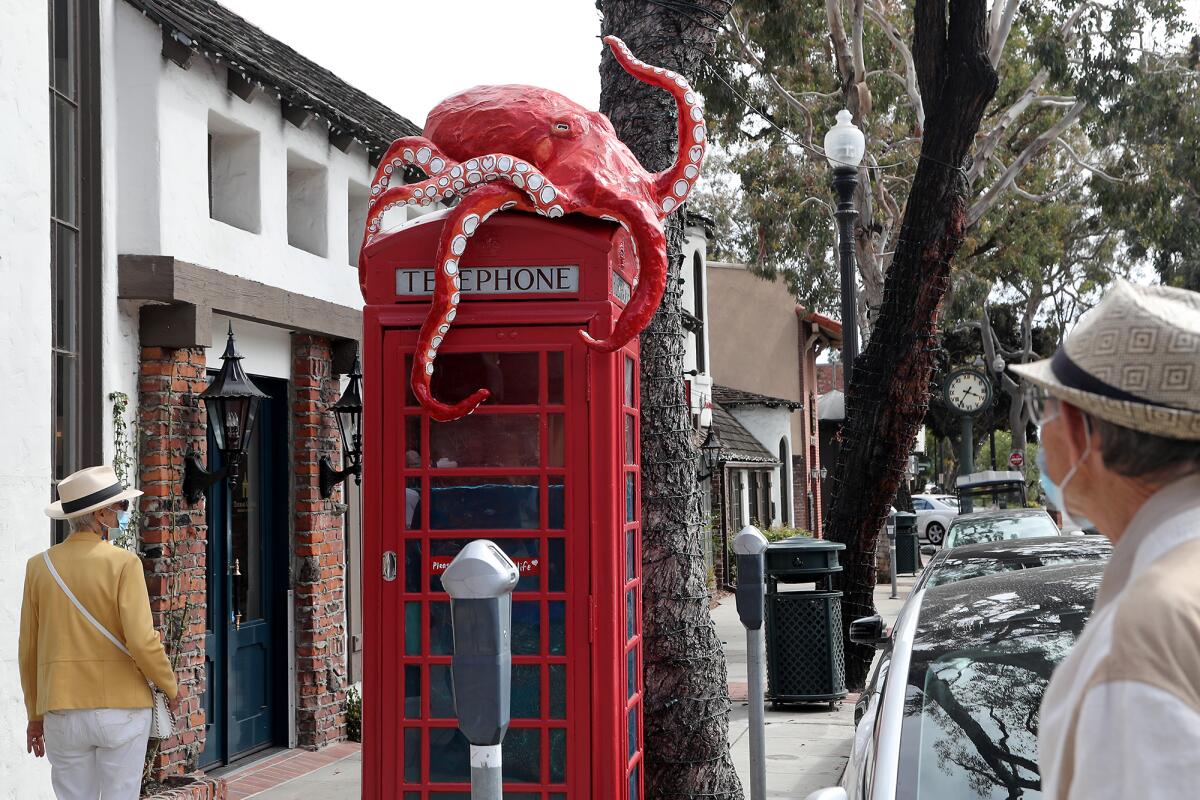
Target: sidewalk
807,747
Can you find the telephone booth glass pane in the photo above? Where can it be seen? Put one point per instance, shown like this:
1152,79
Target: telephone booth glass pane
484,503
486,440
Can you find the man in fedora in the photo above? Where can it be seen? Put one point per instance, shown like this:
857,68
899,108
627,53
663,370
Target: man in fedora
88,702
1120,433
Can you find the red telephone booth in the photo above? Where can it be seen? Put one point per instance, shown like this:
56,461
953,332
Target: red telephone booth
548,469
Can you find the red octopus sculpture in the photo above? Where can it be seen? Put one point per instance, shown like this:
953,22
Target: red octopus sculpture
531,149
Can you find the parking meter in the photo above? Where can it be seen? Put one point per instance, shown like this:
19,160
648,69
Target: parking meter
891,535
750,546
480,581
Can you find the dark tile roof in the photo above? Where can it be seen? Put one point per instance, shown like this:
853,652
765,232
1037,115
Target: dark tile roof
739,397
737,443
216,32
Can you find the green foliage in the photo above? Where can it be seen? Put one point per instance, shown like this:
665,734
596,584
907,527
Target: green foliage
353,715
1052,239
124,461
782,532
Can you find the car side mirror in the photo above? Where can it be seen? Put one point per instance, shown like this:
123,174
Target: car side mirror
831,793
868,631
928,550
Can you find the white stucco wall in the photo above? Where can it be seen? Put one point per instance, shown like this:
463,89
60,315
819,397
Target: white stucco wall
168,168
769,425
266,350
25,470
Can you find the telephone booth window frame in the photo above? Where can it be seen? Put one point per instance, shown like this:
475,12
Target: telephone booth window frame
631,578
560,709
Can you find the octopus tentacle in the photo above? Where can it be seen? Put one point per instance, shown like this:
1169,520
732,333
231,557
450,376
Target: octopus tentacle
410,150
462,222
673,185
544,197
650,248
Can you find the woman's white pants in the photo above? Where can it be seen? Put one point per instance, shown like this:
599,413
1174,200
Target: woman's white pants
97,752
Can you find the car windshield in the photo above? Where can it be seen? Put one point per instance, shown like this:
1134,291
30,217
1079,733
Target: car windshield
973,531
979,671
951,569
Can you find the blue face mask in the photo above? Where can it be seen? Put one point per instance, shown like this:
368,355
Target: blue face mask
123,520
1056,492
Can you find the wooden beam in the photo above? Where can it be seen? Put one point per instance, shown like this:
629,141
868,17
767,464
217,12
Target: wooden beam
341,139
239,86
175,325
297,115
174,50
165,279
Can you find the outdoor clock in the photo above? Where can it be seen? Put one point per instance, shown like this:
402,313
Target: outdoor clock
968,391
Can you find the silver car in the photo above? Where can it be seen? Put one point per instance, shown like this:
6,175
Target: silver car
951,708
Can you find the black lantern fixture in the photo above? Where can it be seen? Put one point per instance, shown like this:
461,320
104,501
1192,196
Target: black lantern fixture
348,410
710,451
231,403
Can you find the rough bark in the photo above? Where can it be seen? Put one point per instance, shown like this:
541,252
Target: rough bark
686,695
889,392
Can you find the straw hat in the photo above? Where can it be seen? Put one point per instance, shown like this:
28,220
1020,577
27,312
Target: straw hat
89,490
1133,360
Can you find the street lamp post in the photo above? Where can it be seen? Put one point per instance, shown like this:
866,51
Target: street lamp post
845,147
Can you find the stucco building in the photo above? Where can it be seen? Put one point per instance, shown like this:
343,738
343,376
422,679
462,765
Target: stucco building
170,172
764,360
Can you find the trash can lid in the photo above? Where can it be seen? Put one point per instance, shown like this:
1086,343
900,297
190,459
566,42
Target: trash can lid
806,543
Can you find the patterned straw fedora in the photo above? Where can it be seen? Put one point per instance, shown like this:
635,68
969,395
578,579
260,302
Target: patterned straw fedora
89,490
1133,360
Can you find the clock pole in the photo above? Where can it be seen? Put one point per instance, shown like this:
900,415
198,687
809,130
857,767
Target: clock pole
967,456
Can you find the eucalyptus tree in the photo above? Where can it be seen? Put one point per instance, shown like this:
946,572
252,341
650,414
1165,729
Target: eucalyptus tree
686,700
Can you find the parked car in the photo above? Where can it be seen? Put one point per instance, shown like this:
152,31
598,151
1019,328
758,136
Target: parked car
993,526
989,558
951,707
934,515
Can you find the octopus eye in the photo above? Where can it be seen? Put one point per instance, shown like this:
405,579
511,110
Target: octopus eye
562,126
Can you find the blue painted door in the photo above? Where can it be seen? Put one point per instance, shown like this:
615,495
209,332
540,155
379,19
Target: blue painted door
245,698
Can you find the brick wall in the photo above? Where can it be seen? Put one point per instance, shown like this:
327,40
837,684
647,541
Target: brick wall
800,491
318,576
174,534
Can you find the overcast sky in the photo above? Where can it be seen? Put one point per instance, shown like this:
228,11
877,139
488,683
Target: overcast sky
410,54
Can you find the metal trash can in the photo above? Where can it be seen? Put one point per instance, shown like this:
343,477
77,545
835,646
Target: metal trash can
805,659
908,550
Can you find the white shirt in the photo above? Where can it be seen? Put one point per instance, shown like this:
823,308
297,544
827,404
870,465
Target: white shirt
1121,717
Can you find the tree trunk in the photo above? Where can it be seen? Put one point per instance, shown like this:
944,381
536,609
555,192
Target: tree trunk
686,704
889,392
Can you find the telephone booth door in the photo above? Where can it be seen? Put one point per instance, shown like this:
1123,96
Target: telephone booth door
515,472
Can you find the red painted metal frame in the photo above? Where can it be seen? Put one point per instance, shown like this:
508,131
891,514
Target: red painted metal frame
599,700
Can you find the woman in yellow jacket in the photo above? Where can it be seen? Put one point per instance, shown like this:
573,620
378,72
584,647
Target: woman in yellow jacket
88,703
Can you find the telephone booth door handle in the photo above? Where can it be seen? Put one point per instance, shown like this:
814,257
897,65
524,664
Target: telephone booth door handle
389,565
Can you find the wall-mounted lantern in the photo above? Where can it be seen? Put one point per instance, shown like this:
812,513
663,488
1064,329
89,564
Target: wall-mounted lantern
348,410
710,452
231,403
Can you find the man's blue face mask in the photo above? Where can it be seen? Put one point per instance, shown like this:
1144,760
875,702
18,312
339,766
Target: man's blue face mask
1056,492
122,524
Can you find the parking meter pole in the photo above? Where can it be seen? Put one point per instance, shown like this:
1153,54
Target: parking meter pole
749,545
480,581
891,534
486,780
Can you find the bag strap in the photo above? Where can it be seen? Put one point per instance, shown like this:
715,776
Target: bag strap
87,614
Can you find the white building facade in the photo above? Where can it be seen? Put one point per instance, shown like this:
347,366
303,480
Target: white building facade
170,172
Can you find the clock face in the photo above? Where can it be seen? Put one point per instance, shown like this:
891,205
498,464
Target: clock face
968,392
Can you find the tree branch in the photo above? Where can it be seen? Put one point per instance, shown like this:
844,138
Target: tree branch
910,69
788,98
989,199
1089,167
1003,26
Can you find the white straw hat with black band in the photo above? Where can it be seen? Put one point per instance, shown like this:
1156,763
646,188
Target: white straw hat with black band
1133,360
89,490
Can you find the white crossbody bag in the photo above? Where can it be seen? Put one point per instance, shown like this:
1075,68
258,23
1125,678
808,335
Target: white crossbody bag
162,721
